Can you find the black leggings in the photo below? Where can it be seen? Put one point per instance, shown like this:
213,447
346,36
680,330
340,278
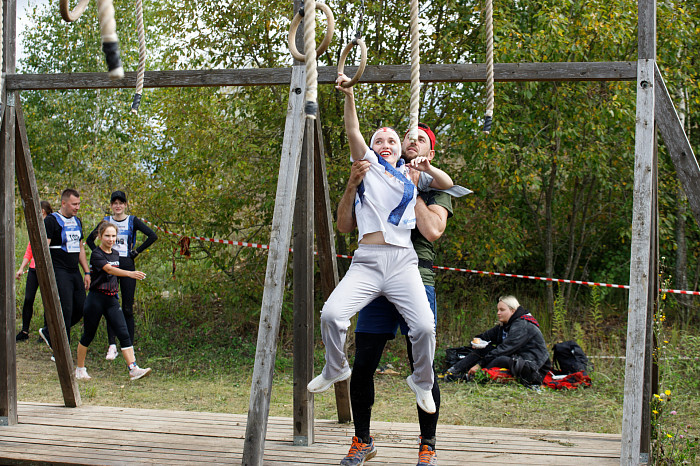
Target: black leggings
127,286
71,293
29,295
96,305
368,351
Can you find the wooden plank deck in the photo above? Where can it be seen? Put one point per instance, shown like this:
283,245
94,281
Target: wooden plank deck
51,434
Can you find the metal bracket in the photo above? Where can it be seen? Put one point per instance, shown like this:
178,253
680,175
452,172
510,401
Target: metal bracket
301,441
4,421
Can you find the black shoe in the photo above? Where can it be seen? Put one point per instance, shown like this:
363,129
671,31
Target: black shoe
22,335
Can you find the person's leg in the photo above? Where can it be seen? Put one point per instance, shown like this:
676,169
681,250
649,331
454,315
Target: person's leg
128,291
428,422
32,285
355,290
78,299
94,308
505,362
405,289
115,320
64,285
368,352
467,362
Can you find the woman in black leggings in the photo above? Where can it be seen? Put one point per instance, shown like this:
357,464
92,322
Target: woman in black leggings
102,300
32,282
125,245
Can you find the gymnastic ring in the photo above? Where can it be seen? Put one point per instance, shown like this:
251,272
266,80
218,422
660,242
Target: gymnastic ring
70,16
360,68
326,39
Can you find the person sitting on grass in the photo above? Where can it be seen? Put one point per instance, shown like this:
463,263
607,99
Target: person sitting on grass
102,300
385,262
516,344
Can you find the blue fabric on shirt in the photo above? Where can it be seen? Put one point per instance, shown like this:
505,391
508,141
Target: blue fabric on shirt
381,317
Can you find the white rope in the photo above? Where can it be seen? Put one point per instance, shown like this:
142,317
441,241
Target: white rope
142,57
110,41
415,73
310,106
488,13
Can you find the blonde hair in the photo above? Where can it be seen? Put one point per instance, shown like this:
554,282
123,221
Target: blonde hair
510,301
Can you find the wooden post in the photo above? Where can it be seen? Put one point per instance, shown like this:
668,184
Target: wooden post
303,278
268,330
327,259
640,266
8,358
44,267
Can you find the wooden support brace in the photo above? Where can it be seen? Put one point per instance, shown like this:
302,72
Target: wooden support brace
268,330
44,267
327,260
677,144
303,278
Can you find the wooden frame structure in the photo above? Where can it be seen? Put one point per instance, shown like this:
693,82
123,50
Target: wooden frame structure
295,205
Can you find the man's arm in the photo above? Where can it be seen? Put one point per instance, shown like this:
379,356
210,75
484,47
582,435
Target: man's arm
431,220
345,219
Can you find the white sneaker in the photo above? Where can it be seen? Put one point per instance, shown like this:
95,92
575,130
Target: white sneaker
320,384
424,398
136,372
112,353
81,373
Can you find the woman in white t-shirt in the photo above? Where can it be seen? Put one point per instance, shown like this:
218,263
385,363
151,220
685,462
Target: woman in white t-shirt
385,262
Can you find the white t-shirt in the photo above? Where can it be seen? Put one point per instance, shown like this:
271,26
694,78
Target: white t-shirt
386,202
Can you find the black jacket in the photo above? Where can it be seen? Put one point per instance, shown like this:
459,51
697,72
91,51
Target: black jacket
520,336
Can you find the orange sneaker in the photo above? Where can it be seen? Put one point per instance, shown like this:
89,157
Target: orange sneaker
426,455
359,452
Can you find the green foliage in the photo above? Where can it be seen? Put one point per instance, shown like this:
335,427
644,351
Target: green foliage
553,182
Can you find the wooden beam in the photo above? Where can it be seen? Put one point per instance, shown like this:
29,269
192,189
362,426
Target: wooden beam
44,267
8,357
327,259
503,72
677,143
273,294
639,266
8,361
303,279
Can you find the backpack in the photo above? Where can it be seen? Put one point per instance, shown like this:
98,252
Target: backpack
453,355
569,358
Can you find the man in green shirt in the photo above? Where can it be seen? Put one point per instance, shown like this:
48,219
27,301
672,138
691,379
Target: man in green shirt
378,322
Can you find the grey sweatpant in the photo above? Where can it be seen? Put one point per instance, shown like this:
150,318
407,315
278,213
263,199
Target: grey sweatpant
378,270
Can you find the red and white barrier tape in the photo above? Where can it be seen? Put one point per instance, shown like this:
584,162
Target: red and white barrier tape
453,269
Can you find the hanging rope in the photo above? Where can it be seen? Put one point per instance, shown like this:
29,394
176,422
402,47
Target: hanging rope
310,105
142,58
488,13
108,31
363,52
415,74
330,19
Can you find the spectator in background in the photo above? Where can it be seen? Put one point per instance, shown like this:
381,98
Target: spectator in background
516,344
32,284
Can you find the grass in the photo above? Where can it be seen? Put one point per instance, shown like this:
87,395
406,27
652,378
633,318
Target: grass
218,387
